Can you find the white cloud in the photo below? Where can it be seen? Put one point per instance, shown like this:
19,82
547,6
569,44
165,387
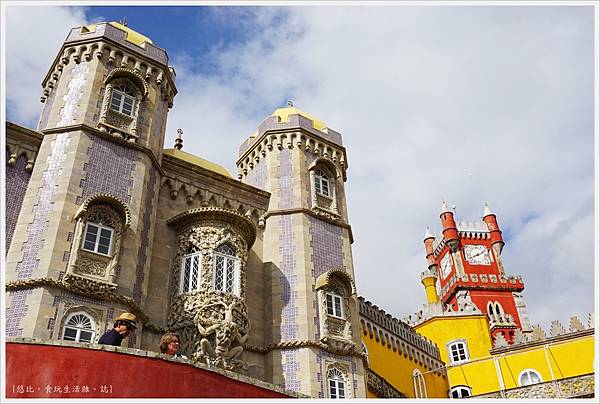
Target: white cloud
470,104
34,37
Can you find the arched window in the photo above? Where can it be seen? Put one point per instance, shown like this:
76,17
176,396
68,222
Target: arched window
458,352
191,265
122,100
99,233
499,310
226,270
529,377
460,392
79,327
419,384
322,183
337,384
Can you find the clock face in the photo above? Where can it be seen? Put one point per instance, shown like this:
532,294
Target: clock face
446,264
477,254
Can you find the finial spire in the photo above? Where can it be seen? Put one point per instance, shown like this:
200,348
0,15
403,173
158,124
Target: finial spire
428,233
487,210
290,103
123,21
445,207
179,140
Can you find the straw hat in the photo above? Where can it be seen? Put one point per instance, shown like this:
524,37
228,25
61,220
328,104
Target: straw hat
129,318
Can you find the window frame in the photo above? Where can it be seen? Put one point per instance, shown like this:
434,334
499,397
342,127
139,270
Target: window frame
123,96
78,329
456,343
190,255
321,178
97,240
528,372
419,386
339,384
460,388
236,271
334,297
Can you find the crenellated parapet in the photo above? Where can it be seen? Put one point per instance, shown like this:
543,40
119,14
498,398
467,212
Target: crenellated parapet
479,281
398,336
538,336
298,131
110,43
21,141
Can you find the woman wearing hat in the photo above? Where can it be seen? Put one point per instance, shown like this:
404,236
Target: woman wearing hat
124,325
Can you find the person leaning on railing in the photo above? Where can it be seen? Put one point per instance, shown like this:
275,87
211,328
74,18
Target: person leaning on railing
124,325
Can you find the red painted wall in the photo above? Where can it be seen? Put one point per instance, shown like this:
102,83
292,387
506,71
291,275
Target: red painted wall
32,370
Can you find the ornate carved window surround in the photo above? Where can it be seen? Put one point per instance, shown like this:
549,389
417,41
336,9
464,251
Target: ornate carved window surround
115,122
90,264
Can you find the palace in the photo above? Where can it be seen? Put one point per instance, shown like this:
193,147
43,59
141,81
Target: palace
101,219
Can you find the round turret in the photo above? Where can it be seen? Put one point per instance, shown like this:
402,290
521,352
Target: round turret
449,228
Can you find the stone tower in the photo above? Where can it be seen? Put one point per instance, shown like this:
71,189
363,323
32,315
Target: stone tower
467,261
84,245
311,314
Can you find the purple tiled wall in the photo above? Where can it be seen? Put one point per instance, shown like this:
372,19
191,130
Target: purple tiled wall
109,170
15,311
144,236
257,177
42,208
289,318
16,185
327,246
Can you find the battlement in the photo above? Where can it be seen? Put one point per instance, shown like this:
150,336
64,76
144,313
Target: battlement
108,30
538,336
396,327
439,310
514,283
294,121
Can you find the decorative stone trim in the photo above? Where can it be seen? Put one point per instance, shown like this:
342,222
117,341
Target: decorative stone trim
283,345
573,387
381,387
105,135
290,136
88,288
240,223
107,199
335,220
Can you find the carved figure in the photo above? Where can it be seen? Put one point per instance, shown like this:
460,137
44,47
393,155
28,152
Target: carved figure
226,350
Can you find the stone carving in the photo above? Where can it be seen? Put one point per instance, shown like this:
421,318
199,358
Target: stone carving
500,341
87,288
220,341
519,337
91,266
556,329
382,389
575,324
538,333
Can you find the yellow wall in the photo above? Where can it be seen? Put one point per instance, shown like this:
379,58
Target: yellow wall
398,368
473,329
568,358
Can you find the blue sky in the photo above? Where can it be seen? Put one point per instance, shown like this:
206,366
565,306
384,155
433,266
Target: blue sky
466,104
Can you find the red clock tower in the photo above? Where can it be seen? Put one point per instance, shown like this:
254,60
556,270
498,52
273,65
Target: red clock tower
466,258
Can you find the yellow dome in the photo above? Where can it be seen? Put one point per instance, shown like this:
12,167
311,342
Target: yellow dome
284,113
132,36
197,161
